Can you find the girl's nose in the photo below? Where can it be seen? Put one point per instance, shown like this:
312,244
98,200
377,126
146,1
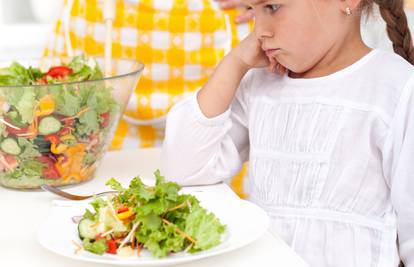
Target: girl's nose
262,32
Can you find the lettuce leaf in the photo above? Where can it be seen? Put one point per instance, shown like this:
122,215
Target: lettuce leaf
98,247
168,221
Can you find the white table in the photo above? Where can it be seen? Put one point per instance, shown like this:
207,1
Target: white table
22,212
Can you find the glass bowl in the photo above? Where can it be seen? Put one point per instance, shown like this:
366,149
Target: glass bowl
56,134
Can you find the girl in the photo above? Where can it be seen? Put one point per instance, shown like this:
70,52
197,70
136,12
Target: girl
330,136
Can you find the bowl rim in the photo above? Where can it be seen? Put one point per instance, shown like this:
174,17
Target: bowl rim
140,67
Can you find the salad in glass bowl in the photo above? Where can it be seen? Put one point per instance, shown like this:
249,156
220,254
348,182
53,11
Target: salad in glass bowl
57,118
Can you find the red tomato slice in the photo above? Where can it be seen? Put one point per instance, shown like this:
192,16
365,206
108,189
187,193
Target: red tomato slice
53,138
59,72
111,246
105,119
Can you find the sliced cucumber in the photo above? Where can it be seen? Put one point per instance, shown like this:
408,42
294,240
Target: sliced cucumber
49,125
10,146
86,229
42,144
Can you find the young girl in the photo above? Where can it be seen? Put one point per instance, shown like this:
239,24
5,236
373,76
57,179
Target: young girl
329,133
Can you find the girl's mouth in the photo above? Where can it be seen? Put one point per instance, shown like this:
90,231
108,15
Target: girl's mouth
271,52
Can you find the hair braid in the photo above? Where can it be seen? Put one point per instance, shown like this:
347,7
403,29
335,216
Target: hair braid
392,11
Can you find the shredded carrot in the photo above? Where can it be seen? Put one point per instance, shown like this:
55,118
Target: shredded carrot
179,231
107,233
78,247
77,115
133,242
182,205
139,250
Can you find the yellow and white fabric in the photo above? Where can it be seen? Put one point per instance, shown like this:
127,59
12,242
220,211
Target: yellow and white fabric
179,41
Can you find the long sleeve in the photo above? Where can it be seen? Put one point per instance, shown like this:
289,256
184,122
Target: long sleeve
201,150
399,169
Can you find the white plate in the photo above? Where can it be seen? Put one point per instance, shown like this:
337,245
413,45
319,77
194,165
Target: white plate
245,222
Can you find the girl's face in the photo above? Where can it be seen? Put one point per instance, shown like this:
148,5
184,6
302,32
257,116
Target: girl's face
300,33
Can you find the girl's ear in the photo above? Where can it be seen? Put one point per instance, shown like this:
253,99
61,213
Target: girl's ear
349,6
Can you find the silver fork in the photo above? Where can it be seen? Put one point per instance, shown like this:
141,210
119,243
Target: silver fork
67,195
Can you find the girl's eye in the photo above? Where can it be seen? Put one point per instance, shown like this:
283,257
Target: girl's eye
272,8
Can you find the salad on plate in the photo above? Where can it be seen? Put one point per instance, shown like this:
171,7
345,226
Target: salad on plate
156,218
53,123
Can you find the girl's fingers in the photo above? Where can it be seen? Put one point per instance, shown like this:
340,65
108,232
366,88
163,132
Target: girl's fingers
272,65
275,67
280,69
227,4
245,17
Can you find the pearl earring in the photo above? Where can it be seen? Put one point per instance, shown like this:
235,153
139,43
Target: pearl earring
348,11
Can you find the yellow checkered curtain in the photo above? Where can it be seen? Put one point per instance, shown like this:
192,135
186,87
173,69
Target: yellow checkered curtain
179,41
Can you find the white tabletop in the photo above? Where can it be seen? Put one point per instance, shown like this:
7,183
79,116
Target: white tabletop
23,211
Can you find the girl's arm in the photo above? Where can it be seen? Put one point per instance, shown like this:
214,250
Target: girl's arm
398,160
206,135
216,96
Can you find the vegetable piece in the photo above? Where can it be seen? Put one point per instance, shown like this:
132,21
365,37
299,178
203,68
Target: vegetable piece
111,244
49,125
98,247
46,106
64,131
12,129
10,146
58,148
50,171
59,72
125,215
104,119
86,229
122,209
52,138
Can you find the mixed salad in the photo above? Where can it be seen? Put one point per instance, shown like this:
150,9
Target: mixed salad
156,218
53,133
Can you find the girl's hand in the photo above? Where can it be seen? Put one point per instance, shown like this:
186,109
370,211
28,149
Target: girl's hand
251,55
246,16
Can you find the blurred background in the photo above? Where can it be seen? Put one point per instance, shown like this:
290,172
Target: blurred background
25,26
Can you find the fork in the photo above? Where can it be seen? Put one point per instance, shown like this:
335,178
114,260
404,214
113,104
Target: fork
67,195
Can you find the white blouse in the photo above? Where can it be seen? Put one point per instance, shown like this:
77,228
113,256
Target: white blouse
331,158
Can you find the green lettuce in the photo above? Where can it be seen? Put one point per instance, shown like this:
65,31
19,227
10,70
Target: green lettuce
164,215
98,247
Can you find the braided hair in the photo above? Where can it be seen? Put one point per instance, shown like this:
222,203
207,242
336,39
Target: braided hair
392,11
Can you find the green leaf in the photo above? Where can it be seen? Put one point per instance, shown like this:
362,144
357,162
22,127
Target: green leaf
67,102
152,221
98,247
23,100
84,69
88,123
25,105
139,190
30,150
204,227
89,215
114,184
16,74
98,203
28,168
